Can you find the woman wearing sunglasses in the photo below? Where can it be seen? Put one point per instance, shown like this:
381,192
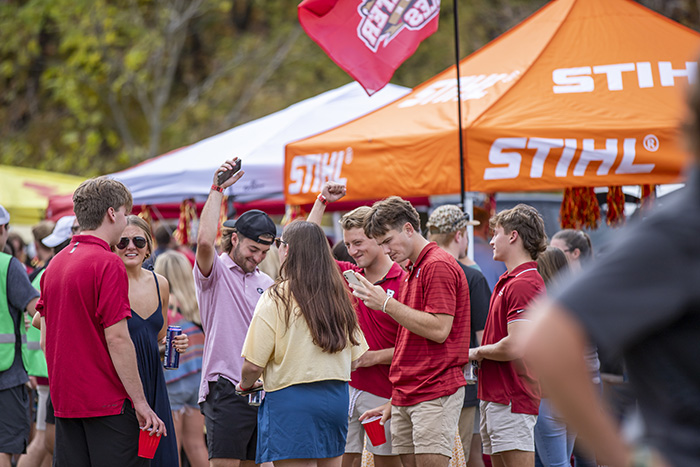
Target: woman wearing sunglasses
148,296
302,339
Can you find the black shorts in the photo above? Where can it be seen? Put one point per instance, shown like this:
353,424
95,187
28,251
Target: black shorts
109,441
14,421
232,424
50,417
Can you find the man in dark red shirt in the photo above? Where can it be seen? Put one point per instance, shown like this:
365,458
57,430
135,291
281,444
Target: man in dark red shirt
509,393
432,345
84,305
370,385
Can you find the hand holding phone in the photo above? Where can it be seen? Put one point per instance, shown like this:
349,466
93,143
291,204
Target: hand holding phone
225,175
351,278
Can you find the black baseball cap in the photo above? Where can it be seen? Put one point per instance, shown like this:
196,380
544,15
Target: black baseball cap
253,224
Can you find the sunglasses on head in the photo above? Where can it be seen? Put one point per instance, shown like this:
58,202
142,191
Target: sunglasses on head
139,242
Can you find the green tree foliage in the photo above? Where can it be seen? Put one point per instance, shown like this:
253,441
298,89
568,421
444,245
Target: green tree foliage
94,86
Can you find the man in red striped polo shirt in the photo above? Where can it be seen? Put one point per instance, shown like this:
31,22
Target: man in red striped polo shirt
509,393
432,346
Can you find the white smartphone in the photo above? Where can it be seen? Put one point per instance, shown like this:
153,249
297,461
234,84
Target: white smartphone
351,277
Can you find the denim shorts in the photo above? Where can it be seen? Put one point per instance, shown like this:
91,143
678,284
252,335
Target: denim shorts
303,421
184,392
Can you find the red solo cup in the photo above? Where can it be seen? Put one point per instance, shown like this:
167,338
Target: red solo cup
374,430
148,444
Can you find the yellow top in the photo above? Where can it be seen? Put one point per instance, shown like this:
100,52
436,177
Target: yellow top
288,355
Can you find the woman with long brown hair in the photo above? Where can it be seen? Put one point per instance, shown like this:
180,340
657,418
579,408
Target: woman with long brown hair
303,339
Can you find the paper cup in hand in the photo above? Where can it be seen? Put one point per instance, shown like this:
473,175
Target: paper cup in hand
148,444
374,430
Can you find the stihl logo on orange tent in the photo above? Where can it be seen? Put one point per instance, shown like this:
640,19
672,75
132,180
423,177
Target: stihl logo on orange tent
309,172
580,79
508,161
383,20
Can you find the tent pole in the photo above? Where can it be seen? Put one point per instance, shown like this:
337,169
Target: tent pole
459,108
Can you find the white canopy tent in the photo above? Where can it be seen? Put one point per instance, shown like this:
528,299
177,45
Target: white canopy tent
187,172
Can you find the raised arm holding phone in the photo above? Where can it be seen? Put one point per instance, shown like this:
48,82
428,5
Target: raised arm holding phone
228,287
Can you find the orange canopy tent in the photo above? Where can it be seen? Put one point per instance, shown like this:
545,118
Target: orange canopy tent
583,93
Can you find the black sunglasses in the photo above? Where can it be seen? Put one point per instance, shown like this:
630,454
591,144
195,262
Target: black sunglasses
139,242
75,229
279,242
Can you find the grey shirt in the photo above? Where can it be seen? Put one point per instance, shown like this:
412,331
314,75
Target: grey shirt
19,293
642,301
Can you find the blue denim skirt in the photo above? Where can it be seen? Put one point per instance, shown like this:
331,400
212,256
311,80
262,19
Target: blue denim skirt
304,421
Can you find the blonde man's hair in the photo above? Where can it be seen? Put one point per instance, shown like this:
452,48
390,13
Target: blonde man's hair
355,219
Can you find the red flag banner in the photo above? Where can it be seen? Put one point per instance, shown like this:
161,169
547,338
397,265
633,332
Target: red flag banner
369,39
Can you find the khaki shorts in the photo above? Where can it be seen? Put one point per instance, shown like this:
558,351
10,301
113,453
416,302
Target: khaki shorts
503,430
360,402
428,427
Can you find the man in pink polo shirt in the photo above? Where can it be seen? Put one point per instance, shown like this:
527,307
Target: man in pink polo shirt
509,393
432,346
228,288
84,305
370,385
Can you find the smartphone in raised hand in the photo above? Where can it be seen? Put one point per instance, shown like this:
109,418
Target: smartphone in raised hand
225,175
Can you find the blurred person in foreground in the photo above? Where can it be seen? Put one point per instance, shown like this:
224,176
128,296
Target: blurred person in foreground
16,296
370,385
447,226
183,382
84,308
640,301
303,339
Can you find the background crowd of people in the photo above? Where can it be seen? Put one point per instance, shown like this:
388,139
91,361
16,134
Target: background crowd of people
334,343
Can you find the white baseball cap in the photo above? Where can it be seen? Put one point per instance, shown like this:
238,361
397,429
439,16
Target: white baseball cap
61,232
4,216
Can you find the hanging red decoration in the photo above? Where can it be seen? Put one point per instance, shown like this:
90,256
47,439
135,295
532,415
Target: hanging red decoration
616,206
579,209
188,213
490,204
648,196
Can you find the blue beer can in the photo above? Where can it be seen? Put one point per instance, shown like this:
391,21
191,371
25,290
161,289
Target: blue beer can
172,356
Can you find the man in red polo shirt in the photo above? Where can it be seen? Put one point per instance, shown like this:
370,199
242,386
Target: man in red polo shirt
509,393
433,343
84,305
370,385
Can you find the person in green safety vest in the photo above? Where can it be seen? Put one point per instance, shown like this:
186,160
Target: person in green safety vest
16,296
